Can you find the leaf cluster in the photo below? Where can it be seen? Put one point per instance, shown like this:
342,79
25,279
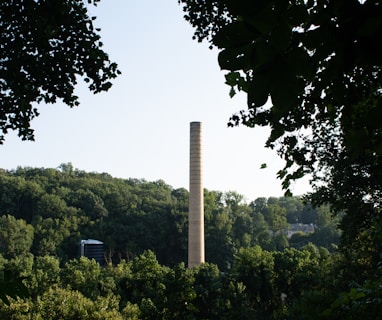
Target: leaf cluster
44,47
311,71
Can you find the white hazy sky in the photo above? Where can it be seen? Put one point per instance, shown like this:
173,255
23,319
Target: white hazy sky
140,127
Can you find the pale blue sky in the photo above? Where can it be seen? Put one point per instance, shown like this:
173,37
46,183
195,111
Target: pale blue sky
140,127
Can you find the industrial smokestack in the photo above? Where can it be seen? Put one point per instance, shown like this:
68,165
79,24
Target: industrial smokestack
196,201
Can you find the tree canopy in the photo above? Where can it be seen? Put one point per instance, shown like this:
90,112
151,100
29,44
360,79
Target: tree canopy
311,70
258,265
45,46
48,211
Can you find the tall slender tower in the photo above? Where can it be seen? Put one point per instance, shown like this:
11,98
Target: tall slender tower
196,201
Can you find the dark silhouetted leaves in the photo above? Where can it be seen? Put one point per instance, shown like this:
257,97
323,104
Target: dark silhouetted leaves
45,47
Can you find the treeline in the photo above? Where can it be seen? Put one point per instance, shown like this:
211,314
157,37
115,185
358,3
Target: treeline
254,271
260,285
53,209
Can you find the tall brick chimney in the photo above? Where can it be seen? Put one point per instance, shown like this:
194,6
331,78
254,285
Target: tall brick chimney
196,200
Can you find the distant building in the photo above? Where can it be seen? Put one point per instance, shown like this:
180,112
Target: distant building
299,227
92,249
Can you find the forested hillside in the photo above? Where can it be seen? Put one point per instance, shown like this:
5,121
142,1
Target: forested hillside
254,270
48,211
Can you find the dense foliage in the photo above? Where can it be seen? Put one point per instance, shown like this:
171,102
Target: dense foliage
45,46
251,261
313,65
53,209
311,71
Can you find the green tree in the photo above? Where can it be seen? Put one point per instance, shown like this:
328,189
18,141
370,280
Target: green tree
293,207
45,46
261,233
311,71
208,290
219,295
179,297
359,302
18,196
254,268
49,234
90,203
16,309
243,230
11,285
239,212
83,275
16,237
145,285
218,230
45,274
297,270
259,204
58,303
275,216
51,206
